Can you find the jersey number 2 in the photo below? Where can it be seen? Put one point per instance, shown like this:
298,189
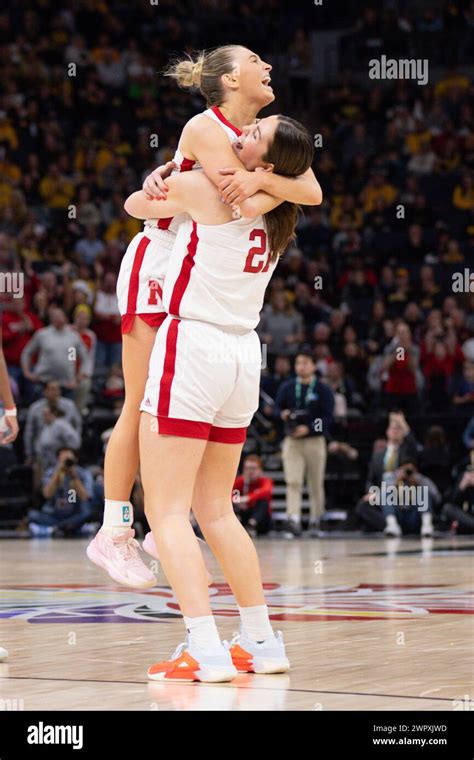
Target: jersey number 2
252,263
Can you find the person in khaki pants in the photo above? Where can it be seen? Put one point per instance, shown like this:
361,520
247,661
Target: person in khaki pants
306,405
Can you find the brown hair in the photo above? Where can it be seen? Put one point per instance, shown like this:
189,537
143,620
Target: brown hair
204,71
291,153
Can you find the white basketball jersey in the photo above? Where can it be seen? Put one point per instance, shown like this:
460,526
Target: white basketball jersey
184,164
219,274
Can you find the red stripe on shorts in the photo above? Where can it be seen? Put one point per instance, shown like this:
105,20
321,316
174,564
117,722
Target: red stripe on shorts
168,369
183,428
227,435
182,281
135,275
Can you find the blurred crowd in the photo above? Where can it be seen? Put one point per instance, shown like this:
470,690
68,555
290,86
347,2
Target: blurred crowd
372,271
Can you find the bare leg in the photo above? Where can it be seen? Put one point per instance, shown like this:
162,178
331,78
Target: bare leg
228,539
169,466
121,456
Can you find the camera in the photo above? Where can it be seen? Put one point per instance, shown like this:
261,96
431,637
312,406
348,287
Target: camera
295,418
69,462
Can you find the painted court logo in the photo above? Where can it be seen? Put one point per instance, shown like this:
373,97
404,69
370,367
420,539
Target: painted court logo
79,603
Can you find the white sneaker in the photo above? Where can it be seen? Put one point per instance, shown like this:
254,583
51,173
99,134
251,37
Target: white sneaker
191,663
426,525
392,528
266,657
117,553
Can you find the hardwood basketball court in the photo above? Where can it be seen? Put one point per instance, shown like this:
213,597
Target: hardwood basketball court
369,624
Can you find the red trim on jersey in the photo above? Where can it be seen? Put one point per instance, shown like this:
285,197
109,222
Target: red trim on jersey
182,281
216,110
153,320
185,166
183,428
228,435
135,275
168,369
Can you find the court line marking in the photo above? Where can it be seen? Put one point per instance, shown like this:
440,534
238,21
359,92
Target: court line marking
255,688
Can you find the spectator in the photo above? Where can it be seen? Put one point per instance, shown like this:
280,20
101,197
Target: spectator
57,349
19,323
34,419
410,515
67,490
281,327
82,320
55,432
400,444
463,396
459,511
306,405
468,435
401,362
252,496
107,324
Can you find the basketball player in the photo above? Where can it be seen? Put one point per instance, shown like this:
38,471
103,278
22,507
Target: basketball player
8,423
236,85
202,392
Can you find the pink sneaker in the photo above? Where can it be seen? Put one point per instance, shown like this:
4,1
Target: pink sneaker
118,554
149,547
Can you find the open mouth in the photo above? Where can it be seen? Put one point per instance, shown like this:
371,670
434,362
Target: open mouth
266,82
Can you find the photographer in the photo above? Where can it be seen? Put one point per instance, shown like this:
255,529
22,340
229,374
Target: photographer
459,512
306,405
68,490
409,515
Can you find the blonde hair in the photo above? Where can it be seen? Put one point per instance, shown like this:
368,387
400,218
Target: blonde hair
204,71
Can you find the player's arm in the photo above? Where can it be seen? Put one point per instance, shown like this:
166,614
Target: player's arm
140,206
211,147
185,192
304,190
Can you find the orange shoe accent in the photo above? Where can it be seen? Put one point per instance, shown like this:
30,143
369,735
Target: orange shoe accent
241,659
182,669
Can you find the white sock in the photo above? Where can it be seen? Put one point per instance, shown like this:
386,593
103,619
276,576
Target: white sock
256,623
117,515
203,632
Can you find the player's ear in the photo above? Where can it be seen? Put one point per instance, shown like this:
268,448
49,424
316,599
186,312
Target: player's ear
267,167
231,79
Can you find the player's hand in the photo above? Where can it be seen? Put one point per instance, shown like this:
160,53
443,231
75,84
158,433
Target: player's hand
9,435
238,185
154,186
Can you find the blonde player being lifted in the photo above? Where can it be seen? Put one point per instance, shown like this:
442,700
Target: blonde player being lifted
202,392
8,423
236,85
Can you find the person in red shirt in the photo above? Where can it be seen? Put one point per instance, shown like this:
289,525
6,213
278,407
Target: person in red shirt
252,496
18,325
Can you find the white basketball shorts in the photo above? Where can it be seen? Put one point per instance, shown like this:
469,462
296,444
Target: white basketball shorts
140,280
203,382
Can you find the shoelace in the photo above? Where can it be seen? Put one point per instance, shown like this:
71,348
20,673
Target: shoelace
234,640
127,549
179,650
